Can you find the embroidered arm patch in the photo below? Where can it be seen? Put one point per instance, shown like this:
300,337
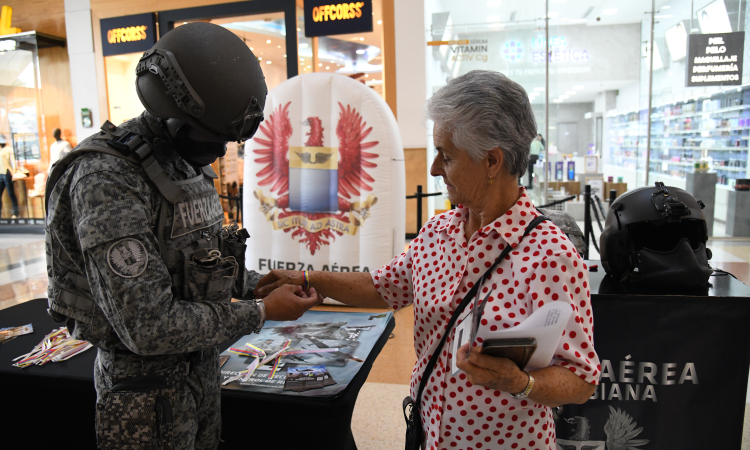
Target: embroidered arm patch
127,258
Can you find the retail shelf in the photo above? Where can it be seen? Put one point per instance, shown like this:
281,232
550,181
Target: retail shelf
717,149
676,163
667,132
701,113
729,169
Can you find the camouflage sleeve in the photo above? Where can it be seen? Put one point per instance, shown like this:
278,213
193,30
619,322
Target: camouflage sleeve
130,282
251,280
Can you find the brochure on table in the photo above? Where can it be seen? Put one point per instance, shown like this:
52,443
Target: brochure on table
345,340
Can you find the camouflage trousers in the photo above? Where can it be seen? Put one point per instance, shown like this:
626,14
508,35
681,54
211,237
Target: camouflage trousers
157,402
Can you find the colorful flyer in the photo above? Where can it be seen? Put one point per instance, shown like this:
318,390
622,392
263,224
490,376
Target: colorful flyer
304,378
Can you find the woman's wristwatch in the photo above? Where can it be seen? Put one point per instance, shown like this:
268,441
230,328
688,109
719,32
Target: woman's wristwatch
525,393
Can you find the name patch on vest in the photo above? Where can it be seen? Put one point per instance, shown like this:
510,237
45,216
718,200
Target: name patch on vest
196,212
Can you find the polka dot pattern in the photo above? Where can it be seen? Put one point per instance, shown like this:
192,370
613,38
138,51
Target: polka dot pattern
435,273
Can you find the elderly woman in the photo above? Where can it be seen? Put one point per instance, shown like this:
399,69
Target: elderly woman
483,127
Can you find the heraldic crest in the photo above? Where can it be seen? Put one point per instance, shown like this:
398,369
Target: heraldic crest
315,184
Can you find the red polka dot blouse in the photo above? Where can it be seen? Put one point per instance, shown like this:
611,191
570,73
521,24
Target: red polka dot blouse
437,271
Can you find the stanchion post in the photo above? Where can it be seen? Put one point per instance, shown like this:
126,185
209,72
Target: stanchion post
419,208
239,205
587,218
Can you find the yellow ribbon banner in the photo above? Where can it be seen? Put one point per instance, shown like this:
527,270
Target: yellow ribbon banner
314,226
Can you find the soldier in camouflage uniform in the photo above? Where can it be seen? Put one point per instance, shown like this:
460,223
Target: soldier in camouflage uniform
138,262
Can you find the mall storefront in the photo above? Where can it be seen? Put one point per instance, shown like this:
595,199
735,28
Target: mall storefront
592,91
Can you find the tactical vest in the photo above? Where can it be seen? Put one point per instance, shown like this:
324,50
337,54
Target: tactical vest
203,259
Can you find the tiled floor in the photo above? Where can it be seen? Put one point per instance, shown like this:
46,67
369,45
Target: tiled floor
378,421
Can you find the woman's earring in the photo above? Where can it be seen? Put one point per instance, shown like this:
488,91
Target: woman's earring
492,181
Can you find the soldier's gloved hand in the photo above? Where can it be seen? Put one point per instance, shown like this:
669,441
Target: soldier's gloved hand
290,302
277,278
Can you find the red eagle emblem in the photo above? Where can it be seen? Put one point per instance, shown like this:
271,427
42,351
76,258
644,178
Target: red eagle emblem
315,184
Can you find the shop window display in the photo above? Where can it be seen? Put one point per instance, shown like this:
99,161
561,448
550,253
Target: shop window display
592,96
22,126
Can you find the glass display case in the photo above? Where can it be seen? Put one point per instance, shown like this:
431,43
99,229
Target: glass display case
22,125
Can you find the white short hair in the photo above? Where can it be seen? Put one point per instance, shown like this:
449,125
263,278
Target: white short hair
483,110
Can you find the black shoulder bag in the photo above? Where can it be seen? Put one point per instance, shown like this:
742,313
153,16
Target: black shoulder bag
414,432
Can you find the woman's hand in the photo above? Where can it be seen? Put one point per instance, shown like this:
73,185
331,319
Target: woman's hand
290,302
493,372
276,278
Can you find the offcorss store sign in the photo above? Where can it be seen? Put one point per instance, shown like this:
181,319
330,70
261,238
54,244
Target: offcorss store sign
128,34
715,59
329,17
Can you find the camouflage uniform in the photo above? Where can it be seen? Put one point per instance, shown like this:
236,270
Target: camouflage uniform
134,274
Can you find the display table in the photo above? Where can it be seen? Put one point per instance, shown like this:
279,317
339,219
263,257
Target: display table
53,405
675,363
738,222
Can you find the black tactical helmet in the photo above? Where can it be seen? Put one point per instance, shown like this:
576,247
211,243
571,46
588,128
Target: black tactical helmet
656,236
203,74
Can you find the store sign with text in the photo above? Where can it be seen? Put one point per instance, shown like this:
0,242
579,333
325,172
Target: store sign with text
327,17
715,59
128,34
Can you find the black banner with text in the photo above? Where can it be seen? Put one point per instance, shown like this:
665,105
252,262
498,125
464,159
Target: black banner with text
715,59
328,17
674,375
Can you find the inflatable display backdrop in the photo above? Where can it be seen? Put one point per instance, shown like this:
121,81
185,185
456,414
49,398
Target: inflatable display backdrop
324,179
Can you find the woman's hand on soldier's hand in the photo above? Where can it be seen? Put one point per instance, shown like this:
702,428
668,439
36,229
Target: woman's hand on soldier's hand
277,278
493,372
290,302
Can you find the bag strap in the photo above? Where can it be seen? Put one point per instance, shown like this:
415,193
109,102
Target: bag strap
467,299
130,147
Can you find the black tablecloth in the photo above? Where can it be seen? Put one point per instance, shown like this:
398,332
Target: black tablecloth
674,367
53,405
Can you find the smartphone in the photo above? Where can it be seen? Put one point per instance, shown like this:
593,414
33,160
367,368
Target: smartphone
517,350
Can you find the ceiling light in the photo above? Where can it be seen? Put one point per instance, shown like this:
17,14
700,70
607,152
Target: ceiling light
299,29
578,88
309,67
570,92
360,52
304,45
367,76
284,56
361,39
553,14
184,23
268,62
278,46
320,64
557,100
665,7
609,12
327,67
251,48
539,89
494,3
302,59
260,58
380,22
268,41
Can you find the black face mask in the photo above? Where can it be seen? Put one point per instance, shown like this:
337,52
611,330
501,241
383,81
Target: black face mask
197,153
200,153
